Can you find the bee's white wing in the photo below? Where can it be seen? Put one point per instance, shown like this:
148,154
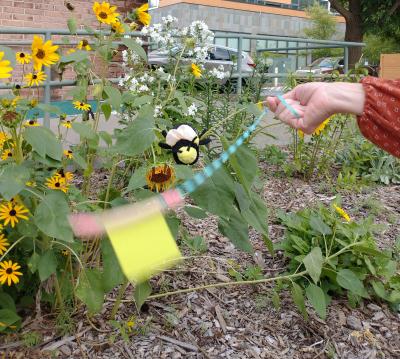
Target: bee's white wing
183,132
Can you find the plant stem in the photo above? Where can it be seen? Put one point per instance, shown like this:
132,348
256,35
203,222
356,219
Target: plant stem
110,181
313,159
117,303
58,293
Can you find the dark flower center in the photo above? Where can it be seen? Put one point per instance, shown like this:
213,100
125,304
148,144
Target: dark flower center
22,55
9,271
82,104
57,184
31,122
85,42
161,177
9,154
12,213
40,54
18,87
34,77
103,15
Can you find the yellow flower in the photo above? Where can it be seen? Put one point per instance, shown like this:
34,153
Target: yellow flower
5,68
143,16
66,123
3,138
300,133
71,51
43,53
11,212
66,176
30,184
321,127
342,213
3,244
35,78
160,178
68,154
9,272
57,183
7,154
23,58
84,45
81,106
196,71
31,123
105,13
117,27
33,103
130,325
65,252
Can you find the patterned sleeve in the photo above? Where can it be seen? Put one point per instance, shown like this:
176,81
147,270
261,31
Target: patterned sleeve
380,121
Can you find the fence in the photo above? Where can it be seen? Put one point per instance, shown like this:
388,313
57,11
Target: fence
49,33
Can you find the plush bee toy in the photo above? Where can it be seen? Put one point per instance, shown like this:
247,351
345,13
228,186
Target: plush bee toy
184,144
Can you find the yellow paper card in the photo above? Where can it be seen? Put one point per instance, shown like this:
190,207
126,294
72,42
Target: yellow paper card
144,248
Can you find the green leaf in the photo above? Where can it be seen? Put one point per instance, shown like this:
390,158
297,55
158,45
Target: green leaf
44,142
106,137
51,216
256,215
318,225
142,292
245,165
173,224
7,302
195,212
131,44
313,262
112,273
242,198
142,100
237,230
47,265
90,290
49,108
139,135
76,56
276,301
12,180
298,299
84,130
106,109
138,179
79,161
114,97
379,289
183,172
72,25
8,318
348,280
316,297
33,262
269,244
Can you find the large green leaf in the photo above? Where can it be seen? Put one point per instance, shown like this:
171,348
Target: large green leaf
76,56
114,97
84,130
298,299
138,179
347,279
90,290
51,216
7,302
142,291
112,273
134,46
245,165
257,214
44,142
318,225
49,108
139,135
313,262
8,317
47,265
195,212
12,180
237,230
316,296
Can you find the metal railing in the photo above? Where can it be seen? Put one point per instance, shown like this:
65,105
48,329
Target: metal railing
49,33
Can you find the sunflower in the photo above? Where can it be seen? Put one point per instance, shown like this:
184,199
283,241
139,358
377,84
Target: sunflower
143,16
196,71
5,67
3,138
31,123
105,13
43,53
321,127
159,178
117,27
35,78
81,106
23,58
11,212
84,45
6,155
9,272
68,154
58,183
342,213
66,176
3,244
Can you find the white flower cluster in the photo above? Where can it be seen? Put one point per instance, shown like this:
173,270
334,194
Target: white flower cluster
163,34
137,85
192,110
157,111
130,58
219,72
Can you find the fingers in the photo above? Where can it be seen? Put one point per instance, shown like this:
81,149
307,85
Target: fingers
85,225
272,103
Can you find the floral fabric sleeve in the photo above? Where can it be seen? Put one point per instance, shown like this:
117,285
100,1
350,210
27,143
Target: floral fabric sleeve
380,121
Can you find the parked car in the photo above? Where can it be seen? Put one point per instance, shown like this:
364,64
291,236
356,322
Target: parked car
217,56
324,65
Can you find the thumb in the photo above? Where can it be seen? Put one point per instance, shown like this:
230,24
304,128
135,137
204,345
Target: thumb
272,103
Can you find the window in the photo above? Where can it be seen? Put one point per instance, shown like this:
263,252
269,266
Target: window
219,54
233,43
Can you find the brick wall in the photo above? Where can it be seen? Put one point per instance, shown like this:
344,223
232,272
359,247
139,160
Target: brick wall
52,14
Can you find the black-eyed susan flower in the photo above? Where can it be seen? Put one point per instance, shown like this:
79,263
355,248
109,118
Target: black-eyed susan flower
84,45
342,213
3,138
67,176
142,14
66,123
6,154
12,213
105,13
33,78
117,27
3,244
68,154
160,178
83,106
43,53
65,252
31,123
5,68
9,272
321,127
196,71
23,58
57,183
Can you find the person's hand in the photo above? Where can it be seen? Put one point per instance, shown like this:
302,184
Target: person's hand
314,102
